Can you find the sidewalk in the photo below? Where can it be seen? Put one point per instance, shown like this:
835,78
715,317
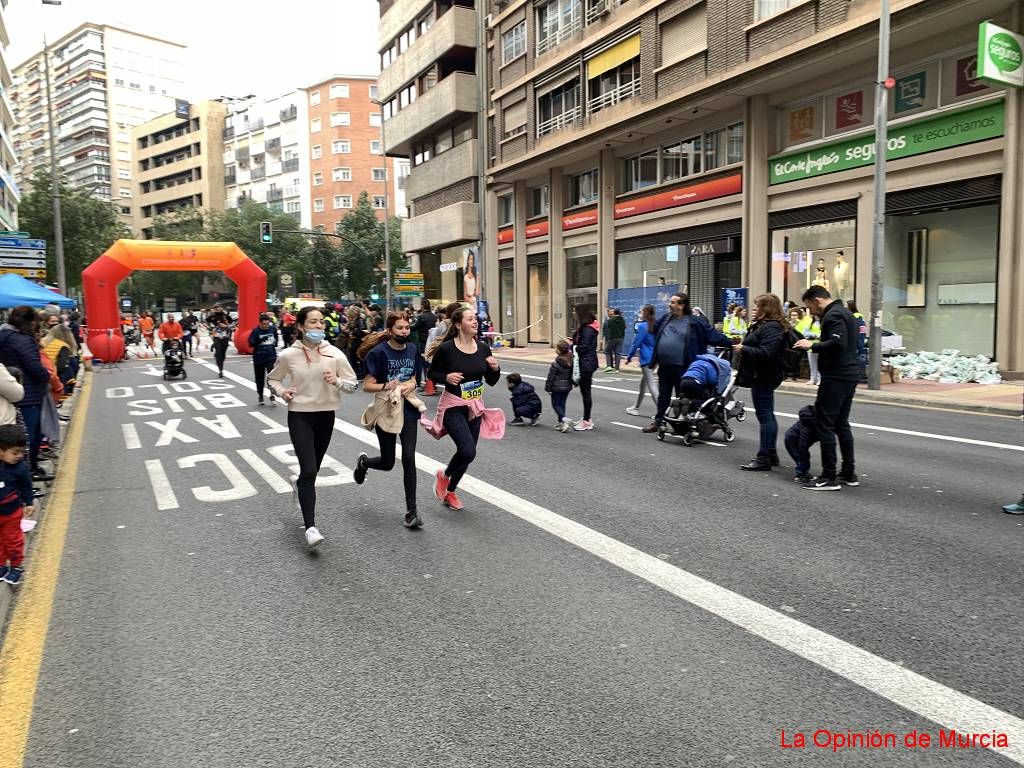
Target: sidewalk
1006,399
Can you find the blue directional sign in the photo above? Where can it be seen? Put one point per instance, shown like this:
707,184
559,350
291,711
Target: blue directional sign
22,242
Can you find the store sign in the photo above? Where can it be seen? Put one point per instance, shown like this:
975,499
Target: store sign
577,220
953,129
181,108
695,193
1000,55
537,229
804,124
506,235
710,248
911,92
967,77
850,110
452,266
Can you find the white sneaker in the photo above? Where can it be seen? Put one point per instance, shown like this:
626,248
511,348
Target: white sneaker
633,411
583,425
565,426
313,537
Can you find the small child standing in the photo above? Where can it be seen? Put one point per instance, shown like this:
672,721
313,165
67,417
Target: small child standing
15,502
799,439
559,383
525,402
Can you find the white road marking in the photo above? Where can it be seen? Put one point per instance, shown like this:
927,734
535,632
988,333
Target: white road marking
934,701
711,442
274,480
239,488
162,490
131,437
628,426
266,420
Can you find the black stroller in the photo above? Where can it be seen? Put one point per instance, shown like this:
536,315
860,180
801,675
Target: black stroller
699,415
174,361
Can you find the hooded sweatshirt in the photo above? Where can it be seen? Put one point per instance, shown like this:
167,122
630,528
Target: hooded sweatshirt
304,368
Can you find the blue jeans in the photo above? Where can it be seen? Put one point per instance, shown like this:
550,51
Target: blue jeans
558,401
764,406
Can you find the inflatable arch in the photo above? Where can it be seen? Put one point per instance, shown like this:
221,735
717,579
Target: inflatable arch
101,278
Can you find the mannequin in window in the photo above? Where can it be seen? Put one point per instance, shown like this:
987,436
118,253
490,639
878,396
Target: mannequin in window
841,275
819,276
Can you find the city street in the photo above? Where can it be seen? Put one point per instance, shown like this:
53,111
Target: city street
604,599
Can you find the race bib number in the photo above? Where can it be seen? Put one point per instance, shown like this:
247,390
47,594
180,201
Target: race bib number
472,390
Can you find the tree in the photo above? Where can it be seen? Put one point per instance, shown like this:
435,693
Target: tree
363,247
90,225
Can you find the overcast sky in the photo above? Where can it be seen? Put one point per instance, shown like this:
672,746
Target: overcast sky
235,48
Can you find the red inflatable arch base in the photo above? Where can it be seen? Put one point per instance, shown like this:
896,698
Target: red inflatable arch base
101,279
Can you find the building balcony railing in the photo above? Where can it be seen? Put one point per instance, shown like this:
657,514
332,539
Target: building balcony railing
274,195
273,144
242,154
229,133
596,9
92,141
289,166
258,173
255,125
230,180
558,35
558,122
289,114
614,96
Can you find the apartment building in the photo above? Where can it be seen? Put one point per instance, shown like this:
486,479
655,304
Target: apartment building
266,155
105,81
179,163
638,147
428,88
10,195
346,154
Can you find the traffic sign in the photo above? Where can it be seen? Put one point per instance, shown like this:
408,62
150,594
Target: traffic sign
22,242
23,263
397,283
37,274
8,233
408,275
22,253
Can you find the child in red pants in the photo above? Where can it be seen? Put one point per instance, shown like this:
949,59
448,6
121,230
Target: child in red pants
15,501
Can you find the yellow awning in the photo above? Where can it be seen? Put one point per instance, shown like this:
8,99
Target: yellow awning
613,57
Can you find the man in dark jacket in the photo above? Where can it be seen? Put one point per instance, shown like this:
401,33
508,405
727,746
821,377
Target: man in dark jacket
837,364
613,331
679,337
421,328
20,349
263,340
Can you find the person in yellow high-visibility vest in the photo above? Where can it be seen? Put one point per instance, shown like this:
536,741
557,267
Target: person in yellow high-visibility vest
810,328
736,323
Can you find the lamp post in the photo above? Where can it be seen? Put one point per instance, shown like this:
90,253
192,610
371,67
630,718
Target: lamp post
387,208
58,225
878,239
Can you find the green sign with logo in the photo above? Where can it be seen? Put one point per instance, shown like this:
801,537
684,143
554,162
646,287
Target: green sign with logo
1000,55
952,129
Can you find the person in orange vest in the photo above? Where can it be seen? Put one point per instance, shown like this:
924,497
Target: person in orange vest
170,329
146,324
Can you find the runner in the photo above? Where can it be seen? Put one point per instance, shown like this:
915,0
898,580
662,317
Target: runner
263,340
462,364
190,325
317,374
146,325
220,335
391,362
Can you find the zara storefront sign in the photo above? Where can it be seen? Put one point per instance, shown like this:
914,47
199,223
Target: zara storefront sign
1000,55
951,129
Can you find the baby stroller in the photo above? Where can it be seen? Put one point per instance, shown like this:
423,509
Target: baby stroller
174,361
701,412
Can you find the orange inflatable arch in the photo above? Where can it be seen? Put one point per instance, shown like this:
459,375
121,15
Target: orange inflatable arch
101,279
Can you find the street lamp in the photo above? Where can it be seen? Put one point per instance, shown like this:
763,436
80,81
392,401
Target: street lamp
387,207
878,240
58,225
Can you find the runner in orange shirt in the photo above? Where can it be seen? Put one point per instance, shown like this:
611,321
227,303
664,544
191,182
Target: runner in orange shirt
146,326
170,329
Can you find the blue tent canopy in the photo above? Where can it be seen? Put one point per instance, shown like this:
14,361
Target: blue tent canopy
15,290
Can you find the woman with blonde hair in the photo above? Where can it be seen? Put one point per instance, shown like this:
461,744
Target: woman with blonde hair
761,369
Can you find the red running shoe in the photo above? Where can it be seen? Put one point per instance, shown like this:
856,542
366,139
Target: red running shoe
440,485
452,501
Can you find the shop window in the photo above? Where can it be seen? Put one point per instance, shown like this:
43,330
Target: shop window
661,265
581,267
506,210
815,254
583,188
538,201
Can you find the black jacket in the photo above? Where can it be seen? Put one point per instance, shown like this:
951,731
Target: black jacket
421,327
702,335
559,375
585,341
21,351
837,350
761,358
525,402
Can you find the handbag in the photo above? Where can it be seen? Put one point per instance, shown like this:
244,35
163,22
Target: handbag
575,366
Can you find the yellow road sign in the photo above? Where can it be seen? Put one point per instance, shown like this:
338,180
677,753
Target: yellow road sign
38,274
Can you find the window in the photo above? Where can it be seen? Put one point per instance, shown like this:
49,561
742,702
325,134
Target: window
375,147
119,81
341,147
514,119
684,35
583,188
314,125
293,207
317,151
421,153
538,201
691,156
339,91
318,205
318,178
152,89
374,93
506,209
380,174
615,85
557,20
734,150
681,160
380,202
443,141
641,171
425,21
715,149
124,173
513,43
375,119
558,108
407,96
765,8
341,174
340,118
124,192
342,201
314,98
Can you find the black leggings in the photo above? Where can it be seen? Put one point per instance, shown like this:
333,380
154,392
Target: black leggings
260,371
311,434
386,461
220,351
465,433
586,381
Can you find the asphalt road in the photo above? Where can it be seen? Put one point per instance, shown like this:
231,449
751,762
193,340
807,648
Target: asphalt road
192,627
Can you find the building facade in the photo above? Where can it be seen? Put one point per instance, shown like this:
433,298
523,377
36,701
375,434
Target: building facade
10,195
266,155
638,146
179,163
346,155
429,91
105,81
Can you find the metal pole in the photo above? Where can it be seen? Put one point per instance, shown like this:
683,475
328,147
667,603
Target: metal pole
481,143
387,207
878,239
58,227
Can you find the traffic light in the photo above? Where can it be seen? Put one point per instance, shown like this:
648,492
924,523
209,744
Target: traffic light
373,292
266,232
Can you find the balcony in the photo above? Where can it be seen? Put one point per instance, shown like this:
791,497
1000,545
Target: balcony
229,133
98,141
598,9
614,96
569,118
260,172
273,144
242,154
452,97
255,125
446,226
455,29
230,180
442,171
290,166
555,36
275,195
289,114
